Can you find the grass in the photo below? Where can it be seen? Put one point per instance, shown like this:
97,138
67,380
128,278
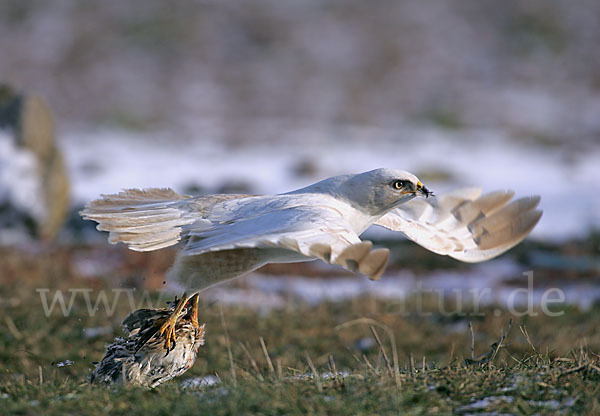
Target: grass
333,358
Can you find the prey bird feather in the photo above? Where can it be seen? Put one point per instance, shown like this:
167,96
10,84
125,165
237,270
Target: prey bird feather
141,359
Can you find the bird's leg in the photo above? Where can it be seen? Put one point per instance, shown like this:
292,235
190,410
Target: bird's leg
167,329
194,313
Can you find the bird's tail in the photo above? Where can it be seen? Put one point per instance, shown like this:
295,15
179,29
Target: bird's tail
145,220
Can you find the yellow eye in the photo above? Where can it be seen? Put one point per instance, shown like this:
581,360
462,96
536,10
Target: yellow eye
398,184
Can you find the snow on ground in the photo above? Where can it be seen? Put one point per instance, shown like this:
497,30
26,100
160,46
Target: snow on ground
19,179
481,285
274,157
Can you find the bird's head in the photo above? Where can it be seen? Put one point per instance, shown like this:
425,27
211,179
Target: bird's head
381,190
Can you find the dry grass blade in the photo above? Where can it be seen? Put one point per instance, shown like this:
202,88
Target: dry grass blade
500,342
252,362
382,349
523,329
472,341
315,374
337,377
13,328
279,369
332,366
229,353
390,335
574,370
369,365
495,347
267,357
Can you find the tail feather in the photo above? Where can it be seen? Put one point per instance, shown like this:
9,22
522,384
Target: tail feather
145,220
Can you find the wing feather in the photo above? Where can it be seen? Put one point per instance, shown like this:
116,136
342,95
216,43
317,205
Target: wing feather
465,224
306,232
151,219
145,220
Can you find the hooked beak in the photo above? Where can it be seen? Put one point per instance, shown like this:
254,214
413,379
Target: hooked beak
423,191
420,191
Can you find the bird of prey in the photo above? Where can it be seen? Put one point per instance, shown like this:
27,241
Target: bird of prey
142,360
226,236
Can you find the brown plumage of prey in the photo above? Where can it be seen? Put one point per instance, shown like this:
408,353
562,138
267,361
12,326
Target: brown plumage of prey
140,358
226,236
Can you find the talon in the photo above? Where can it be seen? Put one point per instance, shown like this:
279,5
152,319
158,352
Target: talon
167,329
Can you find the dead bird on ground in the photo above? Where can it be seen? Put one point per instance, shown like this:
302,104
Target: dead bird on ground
141,357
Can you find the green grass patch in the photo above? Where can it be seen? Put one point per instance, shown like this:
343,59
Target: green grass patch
355,357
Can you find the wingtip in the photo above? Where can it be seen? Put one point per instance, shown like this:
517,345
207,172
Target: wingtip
538,216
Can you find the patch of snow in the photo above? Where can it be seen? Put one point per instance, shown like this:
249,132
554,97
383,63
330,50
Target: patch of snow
20,182
94,264
98,331
328,375
549,404
482,285
364,344
65,363
252,298
109,160
198,382
484,403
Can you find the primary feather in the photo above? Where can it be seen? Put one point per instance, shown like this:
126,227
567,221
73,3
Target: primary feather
465,225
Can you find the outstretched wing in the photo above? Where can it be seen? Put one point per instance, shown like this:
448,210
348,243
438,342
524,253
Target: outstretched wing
296,233
464,224
150,219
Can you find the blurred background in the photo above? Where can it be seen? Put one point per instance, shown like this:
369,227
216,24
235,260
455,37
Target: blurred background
267,96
